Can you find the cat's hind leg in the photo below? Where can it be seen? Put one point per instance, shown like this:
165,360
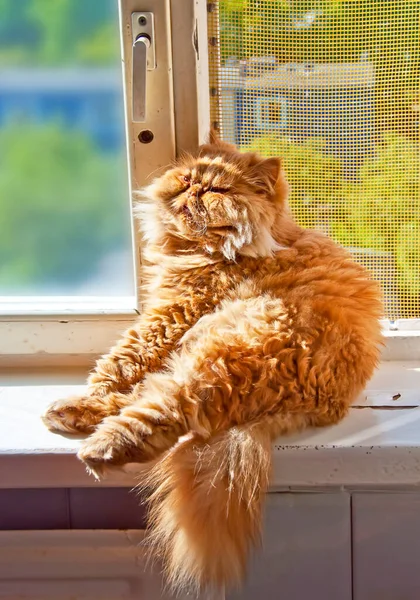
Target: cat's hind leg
143,430
212,383
115,380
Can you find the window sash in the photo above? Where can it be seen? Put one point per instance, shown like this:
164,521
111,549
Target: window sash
74,330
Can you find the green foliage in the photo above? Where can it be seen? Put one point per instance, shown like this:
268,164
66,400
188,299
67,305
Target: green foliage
60,197
380,210
60,206
53,21
101,47
314,176
408,257
58,32
320,30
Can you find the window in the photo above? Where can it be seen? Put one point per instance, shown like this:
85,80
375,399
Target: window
332,86
69,251
329,85
270,113
65,228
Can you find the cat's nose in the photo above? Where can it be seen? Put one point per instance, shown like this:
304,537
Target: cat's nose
194,191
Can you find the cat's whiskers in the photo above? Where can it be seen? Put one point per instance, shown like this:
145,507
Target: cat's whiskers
200,231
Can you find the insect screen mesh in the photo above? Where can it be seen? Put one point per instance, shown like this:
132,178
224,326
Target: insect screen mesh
332,87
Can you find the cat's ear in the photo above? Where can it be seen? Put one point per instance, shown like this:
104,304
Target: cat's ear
265,173
213,139
213,136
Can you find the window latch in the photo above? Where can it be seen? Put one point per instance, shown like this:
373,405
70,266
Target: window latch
144,60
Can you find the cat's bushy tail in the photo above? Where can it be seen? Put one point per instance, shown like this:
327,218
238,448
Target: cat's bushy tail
205,506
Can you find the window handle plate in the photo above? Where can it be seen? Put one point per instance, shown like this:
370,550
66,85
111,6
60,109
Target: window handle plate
144,60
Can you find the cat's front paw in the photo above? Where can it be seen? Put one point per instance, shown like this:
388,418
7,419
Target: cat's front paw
116,442
77,414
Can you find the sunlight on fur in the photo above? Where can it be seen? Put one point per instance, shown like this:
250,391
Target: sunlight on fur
252,328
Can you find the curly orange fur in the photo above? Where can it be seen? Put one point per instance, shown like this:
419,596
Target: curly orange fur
252,327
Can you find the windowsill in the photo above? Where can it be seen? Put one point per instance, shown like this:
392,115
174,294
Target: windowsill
376,446
66,306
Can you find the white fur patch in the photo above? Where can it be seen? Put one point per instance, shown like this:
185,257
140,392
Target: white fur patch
263,244
147,213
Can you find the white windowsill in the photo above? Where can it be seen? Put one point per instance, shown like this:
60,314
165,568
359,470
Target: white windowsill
73,306
377,445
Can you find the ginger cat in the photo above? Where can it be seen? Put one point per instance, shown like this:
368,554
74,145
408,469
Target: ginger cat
253,327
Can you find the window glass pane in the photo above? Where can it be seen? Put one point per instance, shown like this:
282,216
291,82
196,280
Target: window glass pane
333,87
65,225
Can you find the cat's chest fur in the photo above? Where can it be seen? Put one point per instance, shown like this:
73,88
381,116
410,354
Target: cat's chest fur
205,287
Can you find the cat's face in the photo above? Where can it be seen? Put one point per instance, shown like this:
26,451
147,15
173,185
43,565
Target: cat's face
222,200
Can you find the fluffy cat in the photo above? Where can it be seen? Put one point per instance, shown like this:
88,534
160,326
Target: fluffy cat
252,327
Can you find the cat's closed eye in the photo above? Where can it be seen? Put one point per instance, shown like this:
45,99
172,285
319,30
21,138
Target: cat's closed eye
219,190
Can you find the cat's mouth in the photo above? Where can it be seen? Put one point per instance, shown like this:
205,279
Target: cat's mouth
222,229
195,225
186,212
197,221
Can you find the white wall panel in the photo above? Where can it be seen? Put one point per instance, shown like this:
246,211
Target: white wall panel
77,565
386,545
306,550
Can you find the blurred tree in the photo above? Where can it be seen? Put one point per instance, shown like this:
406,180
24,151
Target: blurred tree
315,177
56,28
100,48
382,210
58,32
60,195
320,30
379,212
60,209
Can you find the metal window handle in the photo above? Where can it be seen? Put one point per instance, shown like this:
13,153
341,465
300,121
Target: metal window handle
143,61
140,47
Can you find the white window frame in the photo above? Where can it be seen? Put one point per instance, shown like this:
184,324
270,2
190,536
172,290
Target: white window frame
178,113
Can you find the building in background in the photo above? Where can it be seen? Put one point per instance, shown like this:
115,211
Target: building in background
334,102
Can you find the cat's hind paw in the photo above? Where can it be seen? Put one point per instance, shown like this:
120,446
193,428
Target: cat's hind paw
77,414
116,442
